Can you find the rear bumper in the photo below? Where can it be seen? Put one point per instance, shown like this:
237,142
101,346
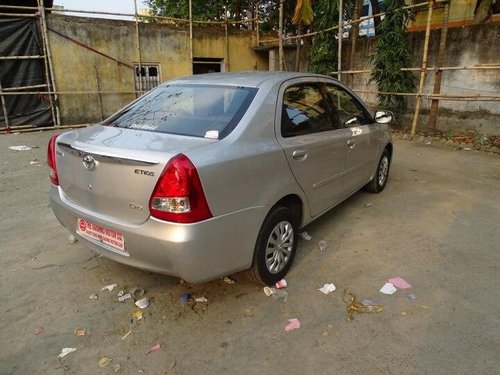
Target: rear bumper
195,252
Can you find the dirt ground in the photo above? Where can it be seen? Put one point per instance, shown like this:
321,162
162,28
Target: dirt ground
437,225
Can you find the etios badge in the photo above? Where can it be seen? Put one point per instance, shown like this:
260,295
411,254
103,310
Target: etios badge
89,162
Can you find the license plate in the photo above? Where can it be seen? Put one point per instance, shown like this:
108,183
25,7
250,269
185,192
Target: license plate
101,234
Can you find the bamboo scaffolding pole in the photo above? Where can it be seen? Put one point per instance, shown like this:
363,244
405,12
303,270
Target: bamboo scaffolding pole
18,88
138,41
354,33
18,7
98,86
472,67
431,121
4,109
425,96
16,15
191,36
41,128
257,32
339,42
33,57
226,43
280,33
424,66
48,71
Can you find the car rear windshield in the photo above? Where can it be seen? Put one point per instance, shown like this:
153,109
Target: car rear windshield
209,111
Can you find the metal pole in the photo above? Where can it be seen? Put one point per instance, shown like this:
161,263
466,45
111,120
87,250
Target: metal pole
341,31
226,47
138,47
424,67
280,35
431,124
191,35
47,61
4,108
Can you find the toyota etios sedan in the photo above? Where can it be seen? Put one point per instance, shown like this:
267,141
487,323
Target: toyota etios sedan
212,174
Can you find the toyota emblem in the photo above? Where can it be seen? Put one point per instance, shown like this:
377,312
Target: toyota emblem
89,162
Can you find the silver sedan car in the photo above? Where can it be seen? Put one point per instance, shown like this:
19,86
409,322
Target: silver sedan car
213,174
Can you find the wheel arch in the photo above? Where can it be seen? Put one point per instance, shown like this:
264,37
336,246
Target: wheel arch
389,148
294,203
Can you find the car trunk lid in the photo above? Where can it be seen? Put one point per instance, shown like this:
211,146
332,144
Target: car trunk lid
112,172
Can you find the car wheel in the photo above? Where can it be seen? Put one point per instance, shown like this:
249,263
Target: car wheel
380,179
275,247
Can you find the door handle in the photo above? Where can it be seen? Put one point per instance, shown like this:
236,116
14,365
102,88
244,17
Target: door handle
299,155
351,143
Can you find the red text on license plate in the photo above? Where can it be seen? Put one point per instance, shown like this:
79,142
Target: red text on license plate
104,235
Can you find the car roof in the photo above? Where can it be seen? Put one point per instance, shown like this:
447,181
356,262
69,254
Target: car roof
244,79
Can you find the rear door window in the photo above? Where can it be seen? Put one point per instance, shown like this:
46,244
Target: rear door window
210,111
304,111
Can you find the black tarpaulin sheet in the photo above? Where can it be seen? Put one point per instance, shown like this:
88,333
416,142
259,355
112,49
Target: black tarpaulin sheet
21,37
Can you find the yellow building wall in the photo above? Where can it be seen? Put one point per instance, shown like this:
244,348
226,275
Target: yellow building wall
461,14
77,68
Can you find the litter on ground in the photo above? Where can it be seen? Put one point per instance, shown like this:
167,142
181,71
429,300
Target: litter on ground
323,245
20,148
399,283
104,361
185,297
292,325
327,288
201,299
124,297
109,287
281,284
93,296
66,351
80,332
72,239
388,288
142,303
410,297
137,314
154,348
354,306
38,331
305,236
228,280
126,335
279,294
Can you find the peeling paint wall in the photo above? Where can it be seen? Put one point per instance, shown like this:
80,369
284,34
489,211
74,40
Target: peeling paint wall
77,68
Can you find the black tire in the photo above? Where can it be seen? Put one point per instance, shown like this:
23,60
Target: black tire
375,185
260,271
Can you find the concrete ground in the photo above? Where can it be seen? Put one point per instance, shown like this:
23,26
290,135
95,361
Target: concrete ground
437,225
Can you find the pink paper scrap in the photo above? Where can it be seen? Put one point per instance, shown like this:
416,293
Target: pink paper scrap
153,348
400,283
294,324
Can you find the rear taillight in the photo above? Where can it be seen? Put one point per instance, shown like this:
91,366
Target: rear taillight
178,195
51,160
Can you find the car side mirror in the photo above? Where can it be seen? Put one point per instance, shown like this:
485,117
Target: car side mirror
384,117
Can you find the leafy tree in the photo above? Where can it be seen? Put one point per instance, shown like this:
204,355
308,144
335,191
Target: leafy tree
202,10
323,53
391,54
302,15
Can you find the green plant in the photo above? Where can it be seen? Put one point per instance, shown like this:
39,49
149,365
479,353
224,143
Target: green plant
391,54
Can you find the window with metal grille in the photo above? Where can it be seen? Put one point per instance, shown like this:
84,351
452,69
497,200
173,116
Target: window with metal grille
147,76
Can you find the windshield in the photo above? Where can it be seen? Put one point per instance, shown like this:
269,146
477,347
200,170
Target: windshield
209,111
